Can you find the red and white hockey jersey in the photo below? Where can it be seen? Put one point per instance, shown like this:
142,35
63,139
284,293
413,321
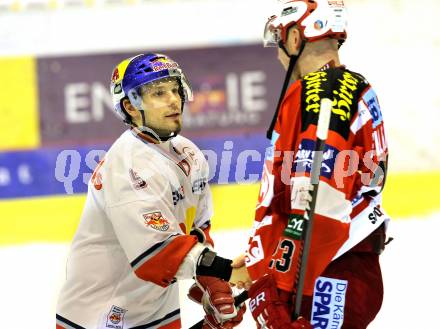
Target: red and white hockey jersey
143,199
353,172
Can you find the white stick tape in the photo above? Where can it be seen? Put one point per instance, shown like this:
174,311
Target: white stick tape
324,118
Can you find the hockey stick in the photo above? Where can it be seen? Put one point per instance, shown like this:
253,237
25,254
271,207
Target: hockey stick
287,78
321,136
238,300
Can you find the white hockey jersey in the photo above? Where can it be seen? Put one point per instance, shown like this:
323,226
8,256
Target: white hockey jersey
142,201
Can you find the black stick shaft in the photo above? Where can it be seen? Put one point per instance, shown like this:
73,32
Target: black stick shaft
308,234
321,132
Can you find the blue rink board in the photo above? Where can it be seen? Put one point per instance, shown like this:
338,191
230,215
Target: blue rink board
35,172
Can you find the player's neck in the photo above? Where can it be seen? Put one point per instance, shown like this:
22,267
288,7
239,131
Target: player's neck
311,61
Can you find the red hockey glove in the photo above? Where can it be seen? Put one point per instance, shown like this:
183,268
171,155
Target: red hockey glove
268,310
216,297
212,323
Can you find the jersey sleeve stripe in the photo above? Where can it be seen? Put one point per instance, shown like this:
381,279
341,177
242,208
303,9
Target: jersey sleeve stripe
363,224
63,323
156,248
207,230
166,321
172,325
161,268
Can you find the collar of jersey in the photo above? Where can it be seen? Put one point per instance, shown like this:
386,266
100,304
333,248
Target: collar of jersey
331,64
161,147
143,137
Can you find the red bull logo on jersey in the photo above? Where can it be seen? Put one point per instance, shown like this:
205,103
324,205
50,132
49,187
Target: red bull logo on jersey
328,303
156,221
115,318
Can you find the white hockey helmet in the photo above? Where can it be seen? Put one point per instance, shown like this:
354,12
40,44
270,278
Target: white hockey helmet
316,20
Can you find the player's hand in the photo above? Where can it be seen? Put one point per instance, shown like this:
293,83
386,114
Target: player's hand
268,310
216,297
239,275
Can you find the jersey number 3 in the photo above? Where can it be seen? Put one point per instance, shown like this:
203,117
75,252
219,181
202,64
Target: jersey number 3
283,262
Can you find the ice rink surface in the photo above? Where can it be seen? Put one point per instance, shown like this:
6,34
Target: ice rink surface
31,276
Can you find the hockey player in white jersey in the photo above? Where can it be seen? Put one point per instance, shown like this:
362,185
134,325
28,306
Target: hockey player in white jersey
147,216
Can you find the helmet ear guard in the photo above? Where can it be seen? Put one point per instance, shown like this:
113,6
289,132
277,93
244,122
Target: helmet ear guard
127,117
135,99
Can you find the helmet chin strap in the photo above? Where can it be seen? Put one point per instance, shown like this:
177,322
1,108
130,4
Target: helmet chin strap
292,62
135,99
151,132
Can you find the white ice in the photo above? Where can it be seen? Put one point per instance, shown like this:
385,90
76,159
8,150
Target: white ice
31,276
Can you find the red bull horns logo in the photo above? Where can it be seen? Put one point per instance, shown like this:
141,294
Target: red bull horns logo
156,221
162,64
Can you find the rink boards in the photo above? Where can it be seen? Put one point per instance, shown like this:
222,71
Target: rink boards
54,218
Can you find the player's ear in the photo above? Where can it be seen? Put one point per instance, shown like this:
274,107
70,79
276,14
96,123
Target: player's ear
129,108
294,40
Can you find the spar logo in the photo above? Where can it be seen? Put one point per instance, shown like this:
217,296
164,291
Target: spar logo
156,221
328,303
375,215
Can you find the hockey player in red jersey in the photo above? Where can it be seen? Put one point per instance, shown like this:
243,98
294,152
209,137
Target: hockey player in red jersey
147,216
343,282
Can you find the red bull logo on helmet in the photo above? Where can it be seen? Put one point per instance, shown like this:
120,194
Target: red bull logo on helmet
163,64
156,221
